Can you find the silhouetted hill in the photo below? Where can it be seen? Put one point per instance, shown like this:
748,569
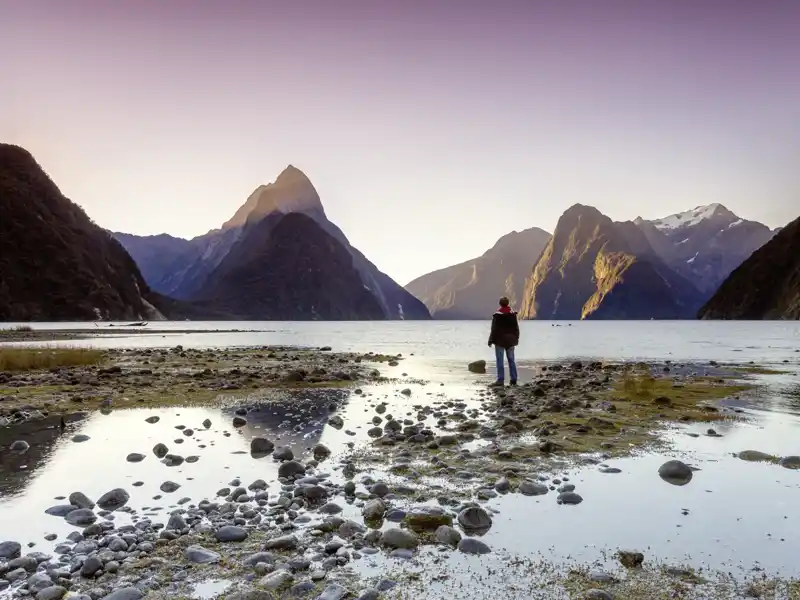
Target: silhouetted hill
766,285
704,244
184,271
55,263
470,290
593,268
289,268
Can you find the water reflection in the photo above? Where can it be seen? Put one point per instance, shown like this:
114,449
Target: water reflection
43,438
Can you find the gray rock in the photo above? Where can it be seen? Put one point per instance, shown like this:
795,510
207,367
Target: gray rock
288,542
369,594
756,456
81,517
321,452
502,485
790,462
135,457
379,489
10,550
447,535
239,421
478,366
597,595
201,556
349,529
260,447
91,566
283,453
39,582
333,592
277,580
291,468
399,538
373,510
128,593
173,460
152,420
474,518
80,500
569,498
231,533
54,592
675,472
20,446
160,450
470,545
80,438
114,499
169,486
16,575
529,488
259,558
60,510
336,422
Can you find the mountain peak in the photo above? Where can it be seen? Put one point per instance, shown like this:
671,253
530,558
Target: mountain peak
695,216
291,192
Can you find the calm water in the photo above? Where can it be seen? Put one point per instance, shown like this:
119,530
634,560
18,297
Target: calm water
771,341
739,514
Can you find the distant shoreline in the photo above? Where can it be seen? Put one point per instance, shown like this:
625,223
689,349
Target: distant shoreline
60,335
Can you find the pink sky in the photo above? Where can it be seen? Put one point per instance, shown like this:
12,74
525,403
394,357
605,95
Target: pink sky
429,128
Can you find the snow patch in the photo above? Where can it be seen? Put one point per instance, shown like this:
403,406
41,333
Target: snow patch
683,241
735,223
688,218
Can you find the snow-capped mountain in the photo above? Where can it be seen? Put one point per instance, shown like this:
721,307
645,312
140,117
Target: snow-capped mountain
705,244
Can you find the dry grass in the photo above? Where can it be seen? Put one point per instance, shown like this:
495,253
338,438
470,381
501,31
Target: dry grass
32,359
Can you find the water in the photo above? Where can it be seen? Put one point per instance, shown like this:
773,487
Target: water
737,341
739,514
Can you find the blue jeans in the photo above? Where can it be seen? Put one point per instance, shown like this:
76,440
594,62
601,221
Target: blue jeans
512,363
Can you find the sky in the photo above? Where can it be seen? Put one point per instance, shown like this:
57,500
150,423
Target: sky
430,128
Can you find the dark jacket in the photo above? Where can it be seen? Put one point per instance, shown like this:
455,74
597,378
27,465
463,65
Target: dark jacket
505,330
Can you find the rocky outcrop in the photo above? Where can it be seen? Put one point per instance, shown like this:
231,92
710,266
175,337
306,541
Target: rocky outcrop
470,290
55,263
766,285
594,268
190,271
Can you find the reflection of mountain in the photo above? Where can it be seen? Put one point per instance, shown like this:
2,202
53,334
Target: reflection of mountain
293,418
43,437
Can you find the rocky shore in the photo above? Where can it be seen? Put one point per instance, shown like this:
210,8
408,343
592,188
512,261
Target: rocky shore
416,487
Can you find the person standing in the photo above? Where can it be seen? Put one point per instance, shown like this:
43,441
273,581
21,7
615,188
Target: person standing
504,336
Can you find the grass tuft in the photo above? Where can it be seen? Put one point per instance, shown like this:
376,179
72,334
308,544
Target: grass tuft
32,359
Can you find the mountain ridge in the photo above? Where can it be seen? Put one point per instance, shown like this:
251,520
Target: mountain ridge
470,289
56,264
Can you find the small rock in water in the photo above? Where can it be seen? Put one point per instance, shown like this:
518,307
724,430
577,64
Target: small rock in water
291,468
756,456
479,366
239,421
114,499
570,498
81,517
153,420
260,447
169,486
474,518
675,472
283,453
10,550
20,446
173,460
399,539
790,462
80,438
321,452
207,423
473,546
160,450
135,457
447,535
529,488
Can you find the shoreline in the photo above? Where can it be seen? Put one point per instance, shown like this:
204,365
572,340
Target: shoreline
512,441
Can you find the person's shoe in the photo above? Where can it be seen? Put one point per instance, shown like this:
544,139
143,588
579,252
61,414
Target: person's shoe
513,383
497,384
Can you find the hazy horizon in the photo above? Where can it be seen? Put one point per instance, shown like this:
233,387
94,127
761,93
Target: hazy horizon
429,131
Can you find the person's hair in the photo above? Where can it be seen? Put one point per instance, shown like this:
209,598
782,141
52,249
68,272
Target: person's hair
504,301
